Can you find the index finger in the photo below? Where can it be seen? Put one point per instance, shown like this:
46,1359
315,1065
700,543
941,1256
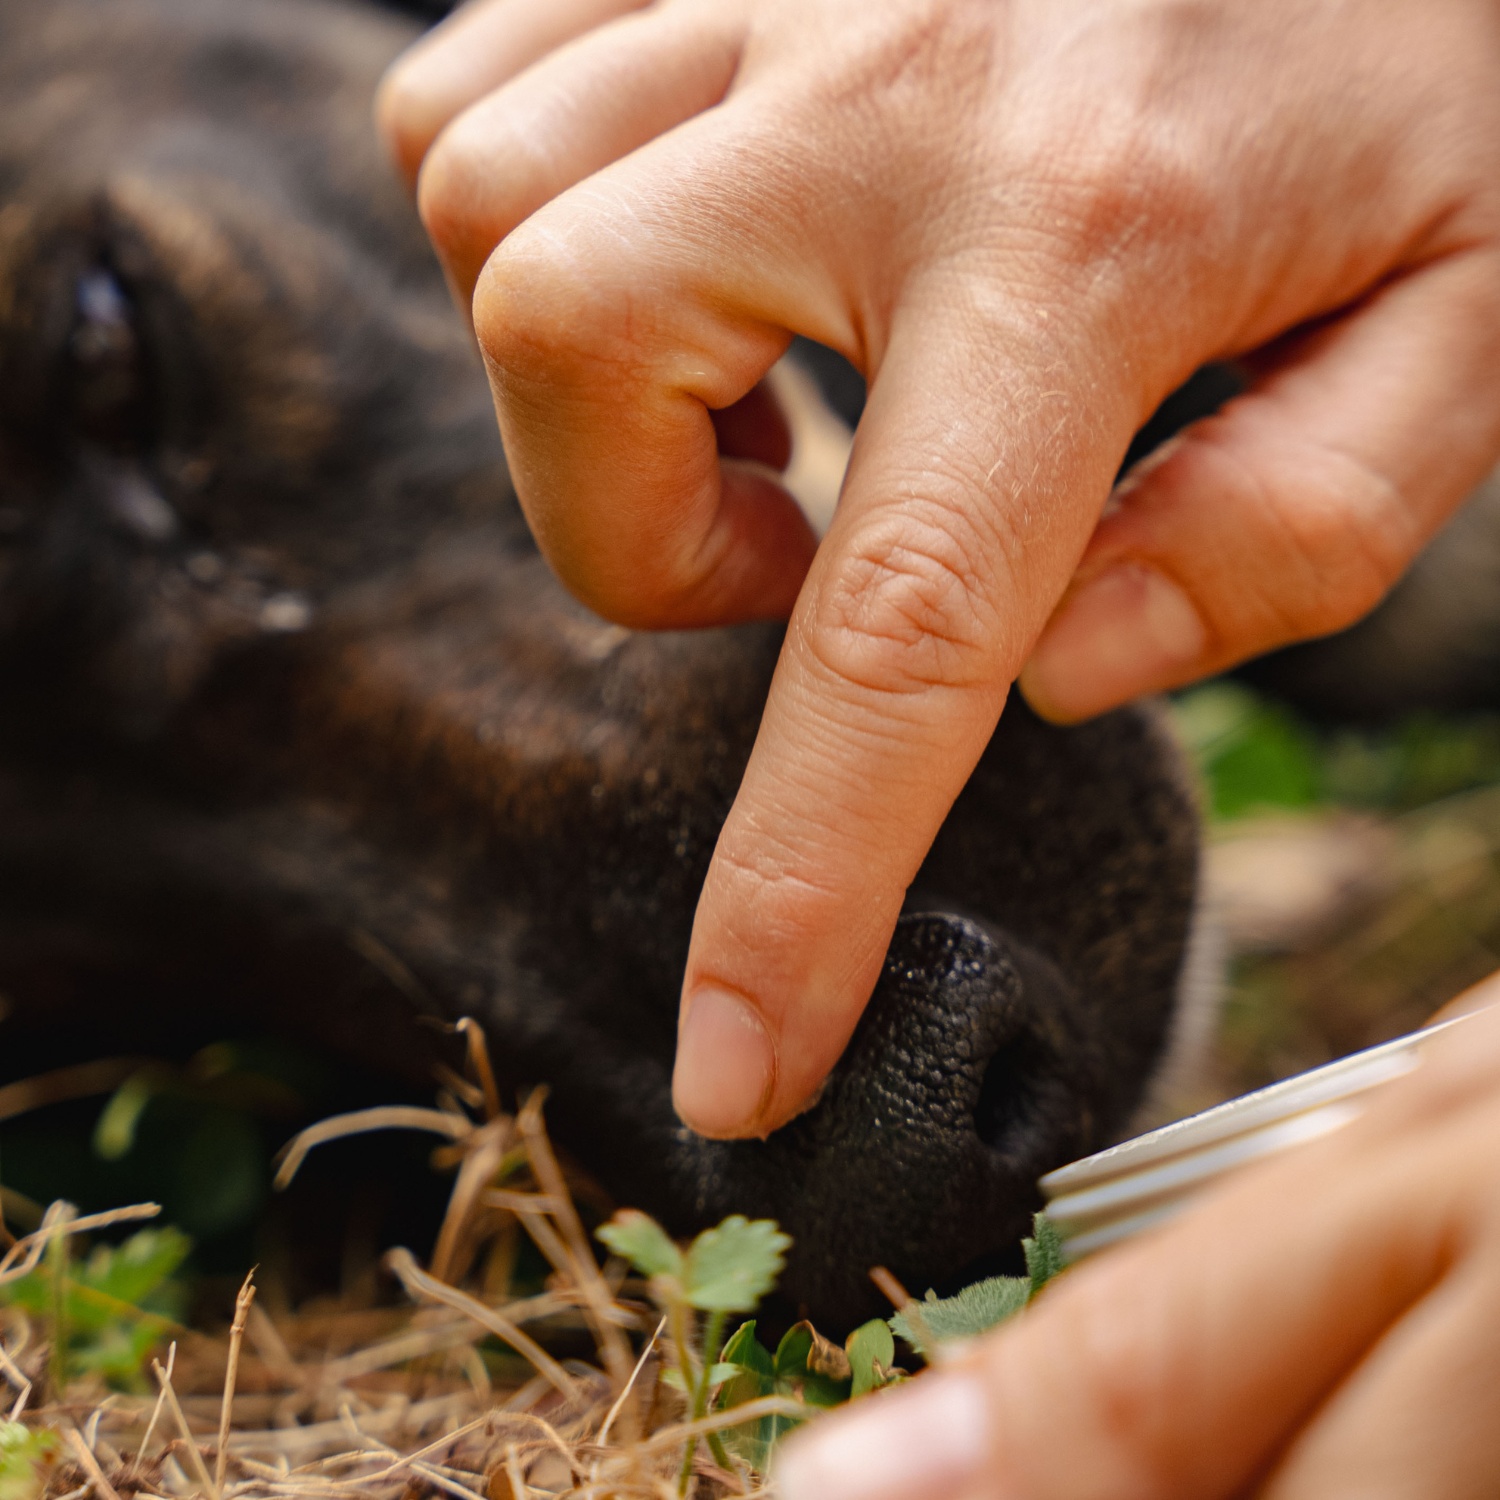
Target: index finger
967,503
613,319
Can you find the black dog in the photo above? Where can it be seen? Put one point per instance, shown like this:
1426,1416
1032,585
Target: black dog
298,726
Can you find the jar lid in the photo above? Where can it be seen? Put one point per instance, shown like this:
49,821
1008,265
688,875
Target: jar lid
1139,1183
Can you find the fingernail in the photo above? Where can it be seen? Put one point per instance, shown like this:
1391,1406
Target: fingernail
725,1065
930,1439
1129,631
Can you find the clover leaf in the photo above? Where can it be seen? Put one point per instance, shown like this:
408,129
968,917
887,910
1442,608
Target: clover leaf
731,1267
872,1356
639,1239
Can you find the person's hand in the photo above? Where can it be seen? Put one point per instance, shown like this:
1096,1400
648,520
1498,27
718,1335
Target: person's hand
1326,1327
1026,221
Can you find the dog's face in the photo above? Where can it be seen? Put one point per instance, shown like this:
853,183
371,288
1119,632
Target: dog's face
299,727
231,380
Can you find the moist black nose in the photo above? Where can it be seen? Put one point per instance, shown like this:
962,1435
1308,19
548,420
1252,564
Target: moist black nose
969,1075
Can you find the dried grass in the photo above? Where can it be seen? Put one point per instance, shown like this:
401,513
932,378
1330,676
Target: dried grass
398,1404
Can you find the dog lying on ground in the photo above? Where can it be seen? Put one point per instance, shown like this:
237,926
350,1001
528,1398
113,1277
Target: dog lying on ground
297,726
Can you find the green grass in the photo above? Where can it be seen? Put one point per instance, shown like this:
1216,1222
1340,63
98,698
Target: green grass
1256,755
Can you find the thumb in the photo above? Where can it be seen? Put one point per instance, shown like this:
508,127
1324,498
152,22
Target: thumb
1186,1363
1291,513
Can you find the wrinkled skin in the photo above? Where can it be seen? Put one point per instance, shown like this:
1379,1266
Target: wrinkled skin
1432,646
300,728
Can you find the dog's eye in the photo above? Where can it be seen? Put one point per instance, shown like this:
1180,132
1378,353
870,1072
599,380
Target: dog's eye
107,377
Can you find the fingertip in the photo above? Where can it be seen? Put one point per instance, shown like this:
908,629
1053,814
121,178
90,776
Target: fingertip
1033,687
726,1065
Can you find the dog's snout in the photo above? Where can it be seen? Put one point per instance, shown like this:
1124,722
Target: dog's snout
967,1078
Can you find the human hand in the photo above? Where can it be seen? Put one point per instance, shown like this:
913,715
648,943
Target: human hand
1326,1325
1026,221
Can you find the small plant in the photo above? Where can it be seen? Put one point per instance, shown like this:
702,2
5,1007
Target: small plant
726,1269
730,1268
807,1367
935,1321
107,1313
26,1454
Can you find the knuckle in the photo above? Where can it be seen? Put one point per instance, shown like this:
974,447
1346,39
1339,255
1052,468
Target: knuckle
1346,543
772,894
909,607
403,118
466,205
1133,183
771,891
523,318
592,433
542,314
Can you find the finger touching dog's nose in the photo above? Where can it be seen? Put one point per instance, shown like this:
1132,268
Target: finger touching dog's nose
613,321
909,629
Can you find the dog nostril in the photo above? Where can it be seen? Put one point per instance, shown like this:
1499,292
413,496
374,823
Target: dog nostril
1007,1093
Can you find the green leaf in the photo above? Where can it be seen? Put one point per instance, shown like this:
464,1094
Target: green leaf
219,1174
639,1239
755,1441
717,1375
116,1285
816,1390
730,1268
119,1353
747,1353
132,1272
760,1373
114,1134
1253,753
747,1385
872,1352
797,1373
972,1311
1044,1252
25,1455
755,1377
791,1353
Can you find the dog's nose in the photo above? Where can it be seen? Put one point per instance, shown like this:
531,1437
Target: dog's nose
970,1074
